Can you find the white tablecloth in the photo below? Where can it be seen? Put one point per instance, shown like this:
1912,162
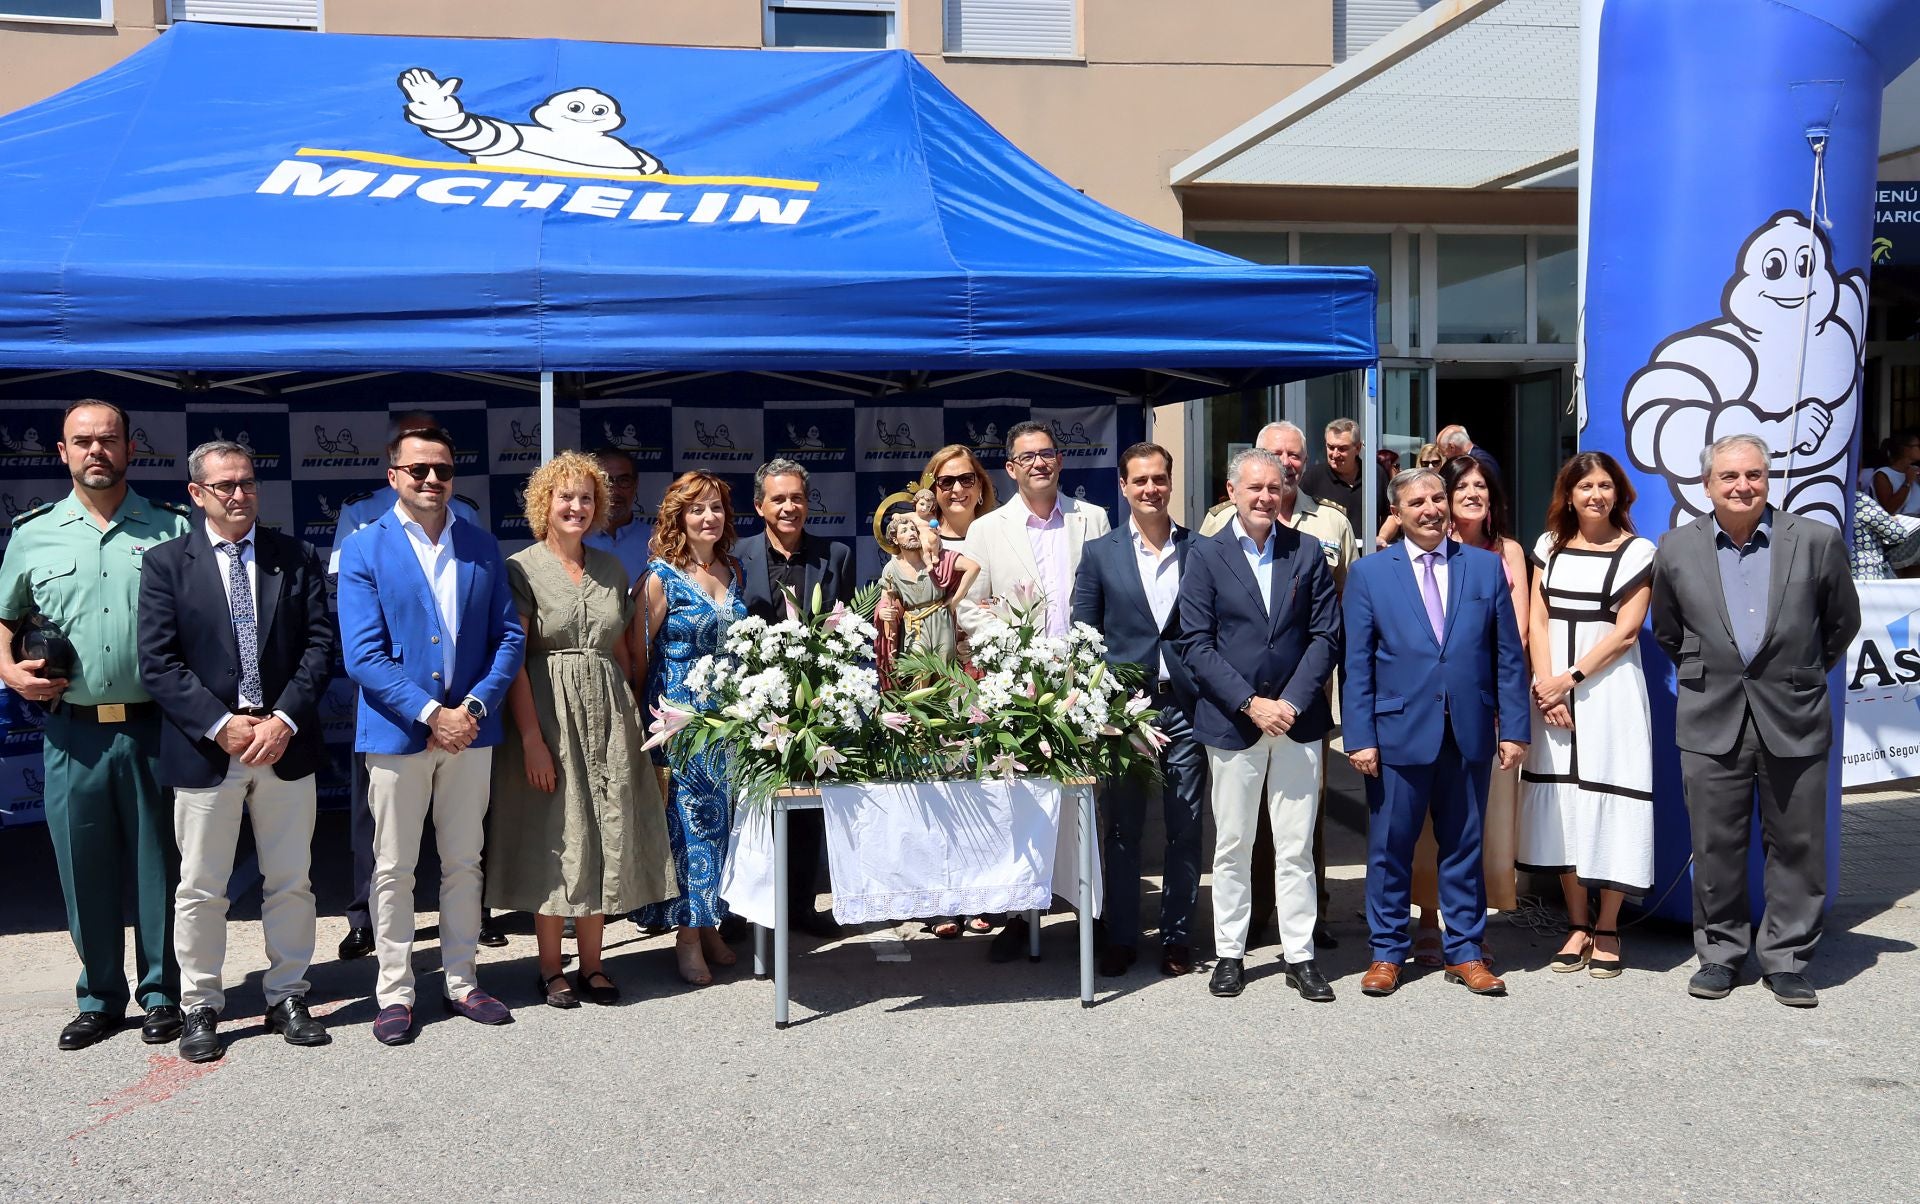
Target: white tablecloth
909,851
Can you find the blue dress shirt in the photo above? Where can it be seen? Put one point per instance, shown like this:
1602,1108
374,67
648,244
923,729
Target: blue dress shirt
1744,574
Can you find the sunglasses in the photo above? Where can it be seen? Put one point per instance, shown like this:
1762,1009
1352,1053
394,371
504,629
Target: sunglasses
963,480
420,472
1429,463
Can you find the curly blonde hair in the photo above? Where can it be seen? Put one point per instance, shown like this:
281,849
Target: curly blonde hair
670,542
564,469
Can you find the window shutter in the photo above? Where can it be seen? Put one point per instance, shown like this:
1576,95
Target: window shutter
304,14
1015,28
1358,24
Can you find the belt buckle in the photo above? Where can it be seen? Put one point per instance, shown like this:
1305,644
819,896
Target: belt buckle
111,712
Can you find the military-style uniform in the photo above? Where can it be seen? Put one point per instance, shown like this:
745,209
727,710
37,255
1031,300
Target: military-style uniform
106,813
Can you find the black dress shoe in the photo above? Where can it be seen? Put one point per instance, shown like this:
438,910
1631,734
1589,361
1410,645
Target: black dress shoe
357,943
490,936
1117,960
1229,977
1323,939
291,1020
1792,989
1010,942
198,1040
1711,981
1305,977
163,1024
88,1028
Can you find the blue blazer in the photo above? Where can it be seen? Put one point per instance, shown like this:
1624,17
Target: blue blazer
1236,650
1402,687
390,634
1108,596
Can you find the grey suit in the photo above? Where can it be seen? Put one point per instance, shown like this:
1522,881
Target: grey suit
1764,723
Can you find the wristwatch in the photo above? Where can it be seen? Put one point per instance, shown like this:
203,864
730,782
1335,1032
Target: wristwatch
1577,676
474,707
1246,708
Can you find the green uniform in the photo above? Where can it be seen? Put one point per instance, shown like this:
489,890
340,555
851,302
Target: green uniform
107,816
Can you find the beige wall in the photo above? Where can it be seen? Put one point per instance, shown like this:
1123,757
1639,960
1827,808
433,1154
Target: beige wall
1158,80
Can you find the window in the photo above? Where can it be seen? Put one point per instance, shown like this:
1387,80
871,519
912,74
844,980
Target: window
1358,24
1013,28
297,14
830,24
1483,288
1556,286
66,12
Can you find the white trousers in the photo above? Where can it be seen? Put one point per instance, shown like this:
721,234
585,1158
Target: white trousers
401,790
1285,776
206,825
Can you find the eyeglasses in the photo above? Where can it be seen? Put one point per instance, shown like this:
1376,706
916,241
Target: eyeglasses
960,480
419,472
1027,459
625,480
226,489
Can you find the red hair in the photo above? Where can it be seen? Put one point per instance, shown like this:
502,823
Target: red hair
670,542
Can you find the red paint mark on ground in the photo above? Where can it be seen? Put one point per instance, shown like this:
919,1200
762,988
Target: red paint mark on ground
166,1076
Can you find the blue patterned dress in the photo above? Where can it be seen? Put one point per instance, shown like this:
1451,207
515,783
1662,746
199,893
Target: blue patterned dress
699,802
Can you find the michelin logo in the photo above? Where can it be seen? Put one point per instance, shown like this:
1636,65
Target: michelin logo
570,133
718,445
1781,361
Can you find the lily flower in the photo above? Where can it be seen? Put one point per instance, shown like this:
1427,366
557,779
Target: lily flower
1006,765
668,721
895,721
826,760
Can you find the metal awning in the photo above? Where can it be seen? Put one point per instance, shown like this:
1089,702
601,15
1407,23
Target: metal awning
1471,94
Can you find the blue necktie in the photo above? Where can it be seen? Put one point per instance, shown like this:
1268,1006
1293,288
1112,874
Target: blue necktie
244,627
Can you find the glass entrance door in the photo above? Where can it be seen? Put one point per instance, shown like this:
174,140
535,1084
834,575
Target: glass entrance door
1544,437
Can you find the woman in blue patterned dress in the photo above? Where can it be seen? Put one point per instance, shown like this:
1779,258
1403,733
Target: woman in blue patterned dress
688,598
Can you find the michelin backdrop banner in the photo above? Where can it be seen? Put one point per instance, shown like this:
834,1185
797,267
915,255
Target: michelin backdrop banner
311,461
1730,152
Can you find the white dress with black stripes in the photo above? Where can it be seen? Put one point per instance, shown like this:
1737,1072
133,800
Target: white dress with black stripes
1586,795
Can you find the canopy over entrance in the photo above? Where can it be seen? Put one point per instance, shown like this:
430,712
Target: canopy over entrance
242,201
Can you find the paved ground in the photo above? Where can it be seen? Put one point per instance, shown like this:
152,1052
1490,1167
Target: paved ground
943,1077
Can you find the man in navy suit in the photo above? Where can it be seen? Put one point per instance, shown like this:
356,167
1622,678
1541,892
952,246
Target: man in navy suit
236,646
779,570
432,640
1260,632
1435,678
1128,587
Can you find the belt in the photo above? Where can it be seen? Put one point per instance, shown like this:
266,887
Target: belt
108,712
1163,689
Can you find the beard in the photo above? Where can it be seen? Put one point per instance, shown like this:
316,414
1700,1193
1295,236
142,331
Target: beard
99,476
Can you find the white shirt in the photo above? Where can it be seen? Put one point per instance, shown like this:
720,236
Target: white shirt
443,576
1259,559
1159,577
1048,539
1439,571
253,584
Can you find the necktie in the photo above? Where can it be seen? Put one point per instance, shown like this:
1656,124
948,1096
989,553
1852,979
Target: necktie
244,629
1430,594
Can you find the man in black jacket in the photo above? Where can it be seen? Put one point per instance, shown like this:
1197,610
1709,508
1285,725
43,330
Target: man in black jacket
236,646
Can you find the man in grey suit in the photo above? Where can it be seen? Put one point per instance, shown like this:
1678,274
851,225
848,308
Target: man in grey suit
1755,606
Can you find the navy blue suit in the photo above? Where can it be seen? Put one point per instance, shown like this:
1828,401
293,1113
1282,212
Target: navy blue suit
1435,710
1108,596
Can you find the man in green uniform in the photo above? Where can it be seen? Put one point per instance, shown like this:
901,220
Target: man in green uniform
77,562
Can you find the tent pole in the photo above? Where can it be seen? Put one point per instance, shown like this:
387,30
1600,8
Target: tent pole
546,416
1372,440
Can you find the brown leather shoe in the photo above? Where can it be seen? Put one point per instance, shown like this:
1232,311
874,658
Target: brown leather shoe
1176,960
1477,977
1381,978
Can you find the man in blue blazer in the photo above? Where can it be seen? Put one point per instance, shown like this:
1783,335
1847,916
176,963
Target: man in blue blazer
430,635
1435,686
1128,588
1260,631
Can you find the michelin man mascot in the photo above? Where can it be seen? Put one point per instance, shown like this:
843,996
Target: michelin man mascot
571,130
1782,362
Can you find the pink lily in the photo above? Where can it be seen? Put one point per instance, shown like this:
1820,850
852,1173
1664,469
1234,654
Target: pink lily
895,721
832,619
1006,765
668,722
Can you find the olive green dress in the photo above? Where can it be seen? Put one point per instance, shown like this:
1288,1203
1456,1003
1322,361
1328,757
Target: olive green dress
598,844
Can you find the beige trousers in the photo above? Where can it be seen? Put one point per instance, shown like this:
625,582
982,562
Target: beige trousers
1284,777
401,790
206,824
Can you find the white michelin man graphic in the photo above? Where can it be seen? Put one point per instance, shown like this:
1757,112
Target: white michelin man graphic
570,130
1781,362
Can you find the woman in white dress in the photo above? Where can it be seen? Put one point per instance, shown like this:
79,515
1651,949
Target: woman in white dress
1586,810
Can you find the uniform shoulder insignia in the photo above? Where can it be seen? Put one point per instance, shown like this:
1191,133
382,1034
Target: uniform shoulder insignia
358,497
26,516
179,508
1219,508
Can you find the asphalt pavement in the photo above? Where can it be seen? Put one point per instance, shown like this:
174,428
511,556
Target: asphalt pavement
943,1077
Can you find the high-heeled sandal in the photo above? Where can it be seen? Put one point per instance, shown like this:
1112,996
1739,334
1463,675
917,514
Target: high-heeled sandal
1605,967
605,996
562,998
693,967
1567,963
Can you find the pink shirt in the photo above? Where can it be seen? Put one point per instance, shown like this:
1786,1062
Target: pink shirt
1048,538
